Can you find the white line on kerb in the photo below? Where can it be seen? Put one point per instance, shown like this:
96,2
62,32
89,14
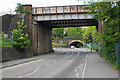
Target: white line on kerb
23,64
84,67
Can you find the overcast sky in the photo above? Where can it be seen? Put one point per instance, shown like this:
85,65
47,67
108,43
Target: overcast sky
7,5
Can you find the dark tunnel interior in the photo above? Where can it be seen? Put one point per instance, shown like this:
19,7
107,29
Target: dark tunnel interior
76,44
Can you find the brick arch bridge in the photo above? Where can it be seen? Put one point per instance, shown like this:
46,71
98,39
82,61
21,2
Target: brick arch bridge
68,41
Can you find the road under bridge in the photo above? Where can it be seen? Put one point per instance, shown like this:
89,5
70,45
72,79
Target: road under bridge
43,19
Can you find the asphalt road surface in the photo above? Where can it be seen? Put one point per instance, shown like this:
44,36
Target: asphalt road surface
63,63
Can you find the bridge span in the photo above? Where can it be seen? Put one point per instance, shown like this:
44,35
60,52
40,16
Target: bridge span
64,16
43,19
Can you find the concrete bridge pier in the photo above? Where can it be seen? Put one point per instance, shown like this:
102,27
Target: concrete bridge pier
41,38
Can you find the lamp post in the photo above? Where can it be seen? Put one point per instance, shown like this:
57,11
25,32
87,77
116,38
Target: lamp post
91,43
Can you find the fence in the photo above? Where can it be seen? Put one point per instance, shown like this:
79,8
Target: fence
111,55
117,51
94,46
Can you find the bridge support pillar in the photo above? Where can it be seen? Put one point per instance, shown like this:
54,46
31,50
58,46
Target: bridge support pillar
100,30
41,39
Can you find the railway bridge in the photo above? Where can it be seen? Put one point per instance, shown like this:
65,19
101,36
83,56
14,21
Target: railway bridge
43,19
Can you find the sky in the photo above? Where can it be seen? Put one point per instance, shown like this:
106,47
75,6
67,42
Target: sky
9,5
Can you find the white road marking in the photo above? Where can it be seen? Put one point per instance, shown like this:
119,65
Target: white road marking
29,73
84,67
77,75
75,70
79,66
32,72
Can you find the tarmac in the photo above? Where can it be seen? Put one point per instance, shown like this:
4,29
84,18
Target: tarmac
96,67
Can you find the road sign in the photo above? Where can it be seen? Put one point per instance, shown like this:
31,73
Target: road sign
91,37
5,35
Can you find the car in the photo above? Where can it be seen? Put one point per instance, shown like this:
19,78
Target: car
72,47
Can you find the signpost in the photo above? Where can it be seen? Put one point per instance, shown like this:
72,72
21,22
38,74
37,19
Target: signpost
61,42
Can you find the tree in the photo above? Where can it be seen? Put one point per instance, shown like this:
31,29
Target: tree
74,32
89,31
20,9
108,12
58,32
20,40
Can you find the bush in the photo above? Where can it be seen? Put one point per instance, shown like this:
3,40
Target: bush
20,40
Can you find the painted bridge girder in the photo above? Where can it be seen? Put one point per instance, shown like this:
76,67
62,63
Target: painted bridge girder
61,13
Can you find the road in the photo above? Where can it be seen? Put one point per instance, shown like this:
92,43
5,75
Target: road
63,63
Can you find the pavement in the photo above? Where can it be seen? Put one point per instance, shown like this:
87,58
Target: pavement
97,67
63,63
20,61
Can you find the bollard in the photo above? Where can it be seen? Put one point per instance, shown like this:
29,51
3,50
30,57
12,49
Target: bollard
75,49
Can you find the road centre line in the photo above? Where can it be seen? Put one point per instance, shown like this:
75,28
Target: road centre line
75,70
77,74
79,66
84,67
34,71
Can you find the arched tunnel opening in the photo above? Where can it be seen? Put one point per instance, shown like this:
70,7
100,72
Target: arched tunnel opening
76,44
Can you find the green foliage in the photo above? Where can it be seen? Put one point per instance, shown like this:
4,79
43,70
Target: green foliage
77,32
91,31
79,45
0,40
20,40
74,32
67,32
108,13
58,32
20,9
